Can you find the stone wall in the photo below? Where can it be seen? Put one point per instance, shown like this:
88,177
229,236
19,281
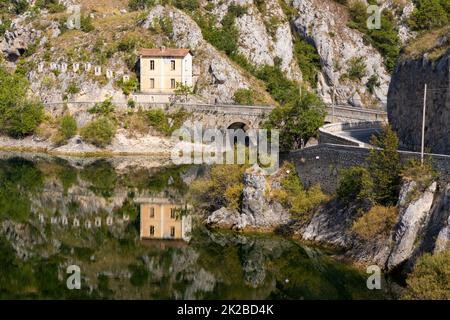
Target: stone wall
405,103
320,164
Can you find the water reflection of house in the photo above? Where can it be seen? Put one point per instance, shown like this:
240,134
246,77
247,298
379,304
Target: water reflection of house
161,218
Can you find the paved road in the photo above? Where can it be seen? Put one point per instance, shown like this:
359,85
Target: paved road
362,135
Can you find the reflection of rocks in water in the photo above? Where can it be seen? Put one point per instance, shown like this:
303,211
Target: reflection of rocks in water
253,266
22,238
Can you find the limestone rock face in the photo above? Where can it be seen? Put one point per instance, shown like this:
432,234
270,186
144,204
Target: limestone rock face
16,40
264,34
226,218
255,205
405,103
443,238
257,211
413,218
323,23
218,79
423,226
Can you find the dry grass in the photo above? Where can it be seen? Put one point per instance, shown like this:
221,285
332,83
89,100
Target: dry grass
104,6
375,224
428,43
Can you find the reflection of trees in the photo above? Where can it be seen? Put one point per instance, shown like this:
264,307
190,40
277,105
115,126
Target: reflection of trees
19,181
102,177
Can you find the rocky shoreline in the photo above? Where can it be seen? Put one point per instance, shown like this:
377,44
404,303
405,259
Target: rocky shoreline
422,226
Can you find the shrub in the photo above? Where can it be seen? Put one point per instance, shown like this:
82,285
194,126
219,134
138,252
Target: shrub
53,6
136,123
423,175
375,224
73,88
139,275
300,201
18,115
22,120
182,91
187,5
430,14
86,24
99,132
4,26
129,86
104,108
233,196
158,119
66,130
101,176
140,4
308,60
372,83
244,96
430,278
385,39
21,6
355,184
356,68
221,188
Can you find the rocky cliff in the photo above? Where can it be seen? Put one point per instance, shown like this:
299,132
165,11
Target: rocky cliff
422,226
265,34
425,62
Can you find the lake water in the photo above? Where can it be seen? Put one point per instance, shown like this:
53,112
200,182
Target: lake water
128,231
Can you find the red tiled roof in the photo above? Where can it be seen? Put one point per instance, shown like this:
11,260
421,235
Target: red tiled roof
163,52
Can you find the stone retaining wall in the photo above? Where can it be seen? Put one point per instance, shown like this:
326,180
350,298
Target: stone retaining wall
320,164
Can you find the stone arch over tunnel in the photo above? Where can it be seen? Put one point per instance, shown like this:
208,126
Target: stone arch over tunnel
239,125
238,139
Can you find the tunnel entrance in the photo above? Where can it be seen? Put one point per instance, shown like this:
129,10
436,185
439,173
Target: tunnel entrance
238,125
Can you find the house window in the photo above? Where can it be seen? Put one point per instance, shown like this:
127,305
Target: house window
152,64
172,83
172,232
152,231
172,64
152,212
173,213
152,83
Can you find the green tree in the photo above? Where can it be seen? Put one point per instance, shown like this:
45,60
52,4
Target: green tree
355,183
19,116
101,176
430,14
385,166
298,120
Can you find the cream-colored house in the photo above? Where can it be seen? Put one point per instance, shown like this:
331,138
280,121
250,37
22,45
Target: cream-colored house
162,68
162,219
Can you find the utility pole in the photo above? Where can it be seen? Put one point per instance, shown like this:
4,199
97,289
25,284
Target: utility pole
423,124
332,104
